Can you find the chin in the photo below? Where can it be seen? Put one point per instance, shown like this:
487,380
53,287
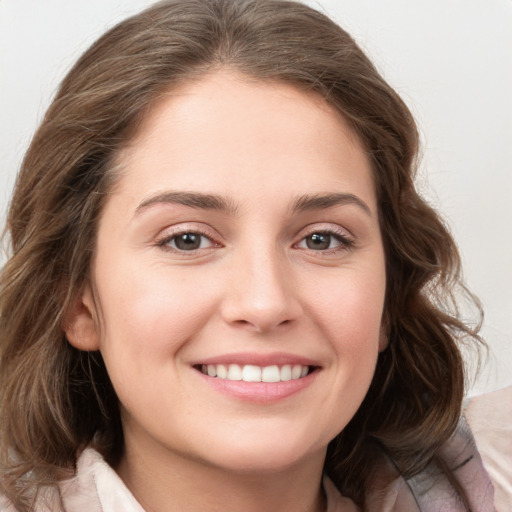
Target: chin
267,454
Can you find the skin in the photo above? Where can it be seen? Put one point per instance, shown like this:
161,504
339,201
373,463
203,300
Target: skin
253,287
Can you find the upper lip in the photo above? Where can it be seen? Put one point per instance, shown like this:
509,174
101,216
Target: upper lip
246,358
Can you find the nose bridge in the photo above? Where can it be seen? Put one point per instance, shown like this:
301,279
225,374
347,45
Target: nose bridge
261,293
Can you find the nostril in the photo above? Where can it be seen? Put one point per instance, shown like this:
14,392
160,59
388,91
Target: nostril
261,312
261,324
242,322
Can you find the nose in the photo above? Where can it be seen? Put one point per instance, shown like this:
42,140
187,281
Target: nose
260,292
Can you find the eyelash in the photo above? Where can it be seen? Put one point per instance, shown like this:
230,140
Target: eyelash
345,242
165,242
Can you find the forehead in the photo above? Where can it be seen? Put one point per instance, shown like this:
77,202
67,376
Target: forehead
224,128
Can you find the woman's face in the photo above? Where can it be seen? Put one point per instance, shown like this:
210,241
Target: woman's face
241,242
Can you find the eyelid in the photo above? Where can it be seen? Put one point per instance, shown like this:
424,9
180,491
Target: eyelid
326,227
344,235
183,228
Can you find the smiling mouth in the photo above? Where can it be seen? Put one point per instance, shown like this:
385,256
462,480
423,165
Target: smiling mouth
253,373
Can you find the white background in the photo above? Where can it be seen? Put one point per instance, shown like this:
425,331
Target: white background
451,60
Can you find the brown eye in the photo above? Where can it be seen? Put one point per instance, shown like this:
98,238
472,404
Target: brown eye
326,242
318,241
187,241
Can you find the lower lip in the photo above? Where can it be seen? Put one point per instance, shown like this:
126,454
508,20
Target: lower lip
259,392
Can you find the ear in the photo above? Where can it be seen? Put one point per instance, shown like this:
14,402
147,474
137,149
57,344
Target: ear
383,336
80,322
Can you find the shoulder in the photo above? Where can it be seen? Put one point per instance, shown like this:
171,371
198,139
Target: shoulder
434,489
48,500
490,418
96,487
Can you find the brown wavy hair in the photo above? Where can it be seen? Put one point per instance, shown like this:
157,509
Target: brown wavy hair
54,399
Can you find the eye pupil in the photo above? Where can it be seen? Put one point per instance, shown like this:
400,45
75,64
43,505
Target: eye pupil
318,241
188,241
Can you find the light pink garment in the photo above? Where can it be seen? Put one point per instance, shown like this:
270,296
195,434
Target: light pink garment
431,491
490,419
97,488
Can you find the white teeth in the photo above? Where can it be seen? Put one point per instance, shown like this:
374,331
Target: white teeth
234,372
252,373
270,374
222,371
296,371
286,372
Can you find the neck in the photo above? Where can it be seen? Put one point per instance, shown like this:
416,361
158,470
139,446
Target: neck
163,481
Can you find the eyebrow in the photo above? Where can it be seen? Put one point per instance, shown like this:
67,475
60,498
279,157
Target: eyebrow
321,201
191,199
225,205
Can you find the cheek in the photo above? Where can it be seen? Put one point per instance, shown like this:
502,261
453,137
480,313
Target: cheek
148,317
351,308
151,313
354,334
351,319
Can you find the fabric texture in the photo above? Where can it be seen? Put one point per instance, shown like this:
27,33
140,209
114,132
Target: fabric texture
431,490
490,419
97,488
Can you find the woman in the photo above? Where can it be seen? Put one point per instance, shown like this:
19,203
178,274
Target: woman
224,282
